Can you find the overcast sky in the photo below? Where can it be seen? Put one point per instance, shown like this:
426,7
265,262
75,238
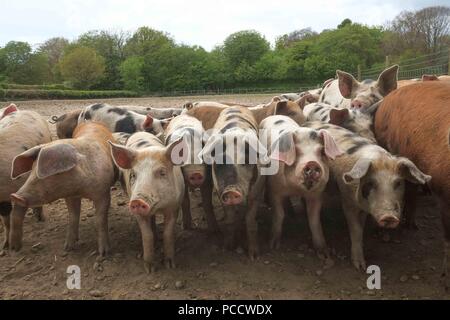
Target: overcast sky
201,22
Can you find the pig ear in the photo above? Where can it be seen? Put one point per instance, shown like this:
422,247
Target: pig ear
188,106
339,116
9,109
429,77
411,173
327,82
347,83
358,171
23,163
330,147
207,152
387,81
122,156
304,100
283,149
165,122
178,151
148,123
282,107
56,159
275,99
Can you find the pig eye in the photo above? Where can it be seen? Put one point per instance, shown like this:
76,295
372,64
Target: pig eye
132,175
367,188
397,183
161,172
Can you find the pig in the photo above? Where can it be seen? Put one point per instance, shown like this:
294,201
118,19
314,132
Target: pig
196,174
371,182
19,131
119,119
72,169
209,114
353,120
313,95
157,113
66,123
154,182
303,156
347,92
414,122
236,155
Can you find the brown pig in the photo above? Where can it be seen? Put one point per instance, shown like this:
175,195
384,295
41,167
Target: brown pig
66,123
19,131
72,169
154,182
414,122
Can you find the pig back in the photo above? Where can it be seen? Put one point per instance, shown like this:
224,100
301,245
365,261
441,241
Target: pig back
19,132
414,122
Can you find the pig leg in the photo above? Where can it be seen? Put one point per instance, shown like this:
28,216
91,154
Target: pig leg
313,207
445,215
288,207
101,213
5,213
74,208
277,223
206,191
186,210
252,231
169,239
148,248
16,227
230,230
355,221
38,214
410,206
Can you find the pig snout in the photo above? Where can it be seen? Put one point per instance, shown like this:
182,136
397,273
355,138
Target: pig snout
356,104
312,172
196,179
19,200
388,221
139,207
231,197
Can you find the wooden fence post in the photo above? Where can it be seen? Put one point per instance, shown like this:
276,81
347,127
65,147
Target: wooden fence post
359,72
386,62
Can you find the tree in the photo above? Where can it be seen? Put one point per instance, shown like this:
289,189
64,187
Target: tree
344,23
36,70
245,48
83,67
131,72
145,40
54,49
288,39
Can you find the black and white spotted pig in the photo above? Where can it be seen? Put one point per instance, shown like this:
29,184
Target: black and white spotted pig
353,120
236,154
303,155
347,92
157,113
19,131
119,119
371,182
194,170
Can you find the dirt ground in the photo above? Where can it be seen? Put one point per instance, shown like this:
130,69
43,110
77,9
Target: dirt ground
410,261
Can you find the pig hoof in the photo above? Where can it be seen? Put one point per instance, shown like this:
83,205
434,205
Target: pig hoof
69,246
360,265
169,263
149,267
5,245
323,254
253,255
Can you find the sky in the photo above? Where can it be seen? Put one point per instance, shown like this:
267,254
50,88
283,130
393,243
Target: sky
195,22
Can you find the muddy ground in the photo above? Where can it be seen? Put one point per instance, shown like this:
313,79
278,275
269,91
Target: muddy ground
410,261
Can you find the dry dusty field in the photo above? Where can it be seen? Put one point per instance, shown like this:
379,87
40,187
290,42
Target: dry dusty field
410,261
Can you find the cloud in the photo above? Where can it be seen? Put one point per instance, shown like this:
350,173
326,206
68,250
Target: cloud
200,22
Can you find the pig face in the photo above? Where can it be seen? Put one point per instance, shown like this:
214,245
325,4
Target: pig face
290,109
51,167
305,153
380,186
234,156
149,175
368,92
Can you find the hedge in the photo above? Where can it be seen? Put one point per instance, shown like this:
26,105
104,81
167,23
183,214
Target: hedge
33,86
20,94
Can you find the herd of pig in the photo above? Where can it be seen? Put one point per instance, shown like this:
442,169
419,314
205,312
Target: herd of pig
377,143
